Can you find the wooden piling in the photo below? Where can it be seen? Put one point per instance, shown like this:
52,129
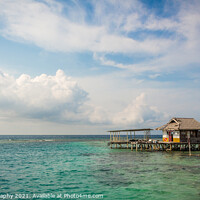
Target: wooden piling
189,145
136,146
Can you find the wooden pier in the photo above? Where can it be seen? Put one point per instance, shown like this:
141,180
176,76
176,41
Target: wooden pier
129,141
154,145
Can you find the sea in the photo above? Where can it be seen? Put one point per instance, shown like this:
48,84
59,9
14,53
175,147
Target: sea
84,167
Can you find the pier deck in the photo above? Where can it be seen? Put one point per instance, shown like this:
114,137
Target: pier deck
154,145
130,141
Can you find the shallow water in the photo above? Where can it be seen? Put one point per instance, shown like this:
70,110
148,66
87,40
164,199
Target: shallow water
88,166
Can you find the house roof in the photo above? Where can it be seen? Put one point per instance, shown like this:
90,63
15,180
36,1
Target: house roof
130,130
181,124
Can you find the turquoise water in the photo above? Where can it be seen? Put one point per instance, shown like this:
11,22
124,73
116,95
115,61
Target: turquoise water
86,166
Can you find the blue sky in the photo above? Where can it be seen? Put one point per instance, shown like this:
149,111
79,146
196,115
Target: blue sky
84,67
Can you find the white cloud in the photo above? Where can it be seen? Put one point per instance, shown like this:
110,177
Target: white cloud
182,29
51,98
153,76
130,67
117,93
60,99
113,14
43,24
44,96
138,113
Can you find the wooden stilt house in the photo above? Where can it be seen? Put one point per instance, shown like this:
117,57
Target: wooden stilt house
180,130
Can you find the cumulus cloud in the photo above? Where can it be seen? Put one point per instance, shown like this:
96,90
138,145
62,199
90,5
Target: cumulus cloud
48,97
138,113
59,98
55,98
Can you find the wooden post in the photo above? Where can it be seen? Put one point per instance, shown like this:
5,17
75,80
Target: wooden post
110,137
189,145
131,146
146,135
127,140
170,147
136,146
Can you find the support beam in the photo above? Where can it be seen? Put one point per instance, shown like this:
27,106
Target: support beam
189,145
136,146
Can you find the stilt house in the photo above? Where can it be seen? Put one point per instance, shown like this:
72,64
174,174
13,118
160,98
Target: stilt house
180,130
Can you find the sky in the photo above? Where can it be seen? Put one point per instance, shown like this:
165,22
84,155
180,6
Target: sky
86,67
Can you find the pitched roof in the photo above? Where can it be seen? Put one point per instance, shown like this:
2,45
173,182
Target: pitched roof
181,124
